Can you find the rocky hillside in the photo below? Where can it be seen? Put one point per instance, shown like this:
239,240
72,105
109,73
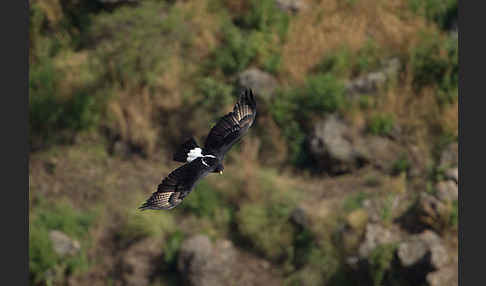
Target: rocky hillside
348,177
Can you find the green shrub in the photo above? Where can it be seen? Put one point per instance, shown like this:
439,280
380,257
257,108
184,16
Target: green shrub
354,202
293,110
321,94
435,62
401,165
49,113
339,62
64,218
135,43
214,95
305,247
265,224
267,228
138,225
254,37
56,217
236,51
380,261
381,124
454,216
203,200
368,57
172,246
344,63
439,11
41,254
264,16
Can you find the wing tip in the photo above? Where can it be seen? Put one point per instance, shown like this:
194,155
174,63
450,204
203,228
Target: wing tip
247,96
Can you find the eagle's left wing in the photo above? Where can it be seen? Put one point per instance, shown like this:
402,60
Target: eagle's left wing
176,186
231,127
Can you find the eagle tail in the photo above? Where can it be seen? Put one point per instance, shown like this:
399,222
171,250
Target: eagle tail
182,154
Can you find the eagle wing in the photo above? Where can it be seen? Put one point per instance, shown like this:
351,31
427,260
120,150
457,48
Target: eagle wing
176,186
231,127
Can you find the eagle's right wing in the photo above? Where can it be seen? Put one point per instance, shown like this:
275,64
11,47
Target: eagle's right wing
234,125
176,186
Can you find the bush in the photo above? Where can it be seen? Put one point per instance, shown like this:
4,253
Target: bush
344,63
122,39
41,254
401,165
254,37
214,95
435,62
339,62
354,202
236,51
171,248
321,94
56,217
64,218
138,225
267,228
380,261
381,124
50,114
368,57
203,201
264,16
439,11
293,110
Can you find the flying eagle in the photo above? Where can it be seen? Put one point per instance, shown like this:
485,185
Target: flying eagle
199,162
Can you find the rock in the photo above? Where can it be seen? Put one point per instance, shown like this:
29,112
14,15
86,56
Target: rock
452,174
293,6
447,191
262,83
331,146
429,212
300,217
62,244
196,264
418,247
446,276
378,151
375,235
430,209
449,157
139,262
439,256
202,263
370,83
338,149
121,149
411,252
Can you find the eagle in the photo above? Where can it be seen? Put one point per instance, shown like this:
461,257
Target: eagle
199,162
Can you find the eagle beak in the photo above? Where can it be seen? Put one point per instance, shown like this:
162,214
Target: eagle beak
221,172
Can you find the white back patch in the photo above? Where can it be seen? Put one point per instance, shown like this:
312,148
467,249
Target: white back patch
193,154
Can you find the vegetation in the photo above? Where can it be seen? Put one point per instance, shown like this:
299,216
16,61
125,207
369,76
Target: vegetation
111,84
381,124
42,256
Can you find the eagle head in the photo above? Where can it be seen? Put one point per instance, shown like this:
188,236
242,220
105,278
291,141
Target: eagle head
219,168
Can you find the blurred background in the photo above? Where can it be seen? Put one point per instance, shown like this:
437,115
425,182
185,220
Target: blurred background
348,177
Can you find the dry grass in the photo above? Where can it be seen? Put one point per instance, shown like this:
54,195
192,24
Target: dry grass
330,24
51,8
133,120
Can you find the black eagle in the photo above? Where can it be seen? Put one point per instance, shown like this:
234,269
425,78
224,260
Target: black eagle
199,162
